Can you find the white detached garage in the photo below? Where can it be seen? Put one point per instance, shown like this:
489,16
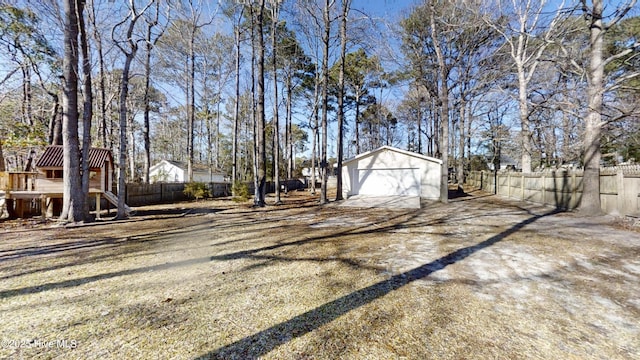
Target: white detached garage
388,171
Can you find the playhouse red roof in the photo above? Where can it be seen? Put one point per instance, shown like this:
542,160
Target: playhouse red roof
52,157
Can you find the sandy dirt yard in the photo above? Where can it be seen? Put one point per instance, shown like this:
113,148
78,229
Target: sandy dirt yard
479,278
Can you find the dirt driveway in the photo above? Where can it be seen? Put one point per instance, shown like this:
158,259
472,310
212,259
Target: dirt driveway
481,277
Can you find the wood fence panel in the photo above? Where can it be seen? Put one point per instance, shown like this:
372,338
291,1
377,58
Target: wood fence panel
619,188
532,188
147,194
631,194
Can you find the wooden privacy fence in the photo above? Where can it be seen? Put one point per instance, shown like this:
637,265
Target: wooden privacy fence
619,187
146,194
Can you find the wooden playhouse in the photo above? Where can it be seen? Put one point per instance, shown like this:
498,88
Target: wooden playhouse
41,190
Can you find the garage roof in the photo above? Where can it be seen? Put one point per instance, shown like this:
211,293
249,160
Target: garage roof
391,148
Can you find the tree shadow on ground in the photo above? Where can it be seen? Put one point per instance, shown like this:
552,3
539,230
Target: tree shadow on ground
457,193
176,211
249,253
263,342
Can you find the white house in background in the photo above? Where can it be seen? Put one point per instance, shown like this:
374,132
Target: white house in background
306,172
390,171
506,163
175,171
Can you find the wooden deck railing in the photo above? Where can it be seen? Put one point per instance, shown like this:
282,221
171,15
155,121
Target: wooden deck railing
17,180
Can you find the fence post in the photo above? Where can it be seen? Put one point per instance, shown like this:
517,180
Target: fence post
620,190
494,181
544,189
574,189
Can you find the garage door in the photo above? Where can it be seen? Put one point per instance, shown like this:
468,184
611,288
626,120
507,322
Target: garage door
385,182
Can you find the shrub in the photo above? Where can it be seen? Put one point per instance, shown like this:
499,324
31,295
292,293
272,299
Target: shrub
196,190
240,191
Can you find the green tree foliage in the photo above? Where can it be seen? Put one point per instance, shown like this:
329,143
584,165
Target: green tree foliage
196,190
361,75
622,36
240,191
378,127
23,113
21,37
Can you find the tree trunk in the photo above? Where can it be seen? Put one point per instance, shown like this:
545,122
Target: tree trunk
276,121
55,123
216,159
130,54
316,126
443,94
104,134
147,108
357,123
254,120
191,105
435,129
87,113
343,50
131,146
525,132
461,129
102,130
72,188
419,119
260,121
566,137
468,140
27,111
122,157
3,166
289,130
590,203
324,166
208,121
236,110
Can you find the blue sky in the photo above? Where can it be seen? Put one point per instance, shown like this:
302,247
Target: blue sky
382,7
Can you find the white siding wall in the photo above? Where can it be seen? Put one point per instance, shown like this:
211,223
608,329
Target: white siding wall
393,162
203,176
166,172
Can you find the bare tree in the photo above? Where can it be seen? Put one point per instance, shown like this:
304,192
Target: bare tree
590,203
195,25
150,41
341,85
97,37
236,110
310,23
72,196
326,38
443,97
87,110
3,166
261,155
129,47
526,46
275,10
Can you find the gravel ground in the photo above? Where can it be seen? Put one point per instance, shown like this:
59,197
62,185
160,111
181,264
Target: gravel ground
481,277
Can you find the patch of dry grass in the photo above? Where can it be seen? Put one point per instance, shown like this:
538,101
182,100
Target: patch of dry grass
481,277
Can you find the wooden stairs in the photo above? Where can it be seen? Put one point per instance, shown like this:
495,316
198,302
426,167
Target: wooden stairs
113,199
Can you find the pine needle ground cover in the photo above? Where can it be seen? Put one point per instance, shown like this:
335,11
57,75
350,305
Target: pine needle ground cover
480,277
